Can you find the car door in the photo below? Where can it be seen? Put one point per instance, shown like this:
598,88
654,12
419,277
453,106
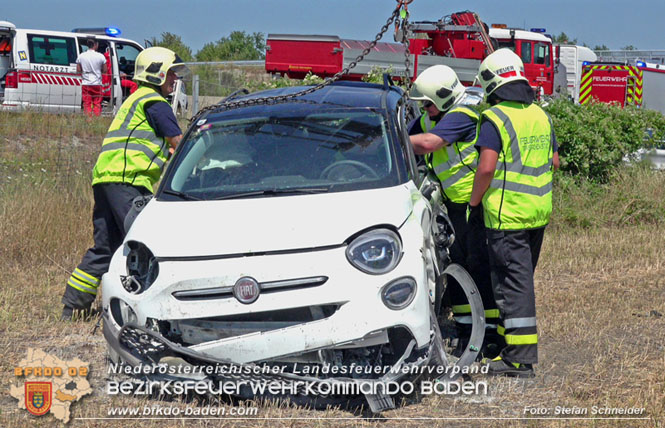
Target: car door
6,63
123,56
56,85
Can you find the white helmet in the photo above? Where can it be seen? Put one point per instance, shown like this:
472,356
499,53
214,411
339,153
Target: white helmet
153,63
499,68
438,84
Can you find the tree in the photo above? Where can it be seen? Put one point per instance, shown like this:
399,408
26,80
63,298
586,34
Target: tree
175,43
237,46
601,48
629,48
564,39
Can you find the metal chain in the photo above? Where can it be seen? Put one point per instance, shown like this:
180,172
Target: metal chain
227,105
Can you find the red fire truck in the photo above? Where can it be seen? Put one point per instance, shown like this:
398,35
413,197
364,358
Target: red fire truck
459,40
641,84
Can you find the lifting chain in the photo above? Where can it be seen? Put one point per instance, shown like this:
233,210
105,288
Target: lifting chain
399,17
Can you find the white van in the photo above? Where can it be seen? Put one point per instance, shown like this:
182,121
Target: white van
38,68
572,57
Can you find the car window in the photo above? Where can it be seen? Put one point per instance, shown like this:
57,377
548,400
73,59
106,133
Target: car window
335,150
542,54
525,50
127,54
52,50
506,44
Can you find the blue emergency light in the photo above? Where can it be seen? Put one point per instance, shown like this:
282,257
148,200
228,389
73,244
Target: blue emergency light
538,30
585,62
113,31
641,64
109,31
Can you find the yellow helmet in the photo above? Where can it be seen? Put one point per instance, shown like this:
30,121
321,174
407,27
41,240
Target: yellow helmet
500,67
438,84
154,63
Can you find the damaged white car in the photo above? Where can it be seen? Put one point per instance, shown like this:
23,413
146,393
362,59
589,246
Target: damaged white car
290,234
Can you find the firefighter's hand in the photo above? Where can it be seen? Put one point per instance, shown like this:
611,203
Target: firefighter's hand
171,151
474,215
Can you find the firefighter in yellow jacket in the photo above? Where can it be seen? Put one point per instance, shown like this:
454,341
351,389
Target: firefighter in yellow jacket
513,182
446,134
132,158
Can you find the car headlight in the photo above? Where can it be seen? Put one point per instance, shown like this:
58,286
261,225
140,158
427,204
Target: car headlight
399,294
142,268
375,252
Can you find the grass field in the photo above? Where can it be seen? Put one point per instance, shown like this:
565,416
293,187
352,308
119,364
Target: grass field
600,298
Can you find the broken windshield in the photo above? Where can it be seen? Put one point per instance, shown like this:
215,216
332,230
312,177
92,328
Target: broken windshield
334,150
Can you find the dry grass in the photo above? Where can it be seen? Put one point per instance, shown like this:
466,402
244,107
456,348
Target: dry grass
599,289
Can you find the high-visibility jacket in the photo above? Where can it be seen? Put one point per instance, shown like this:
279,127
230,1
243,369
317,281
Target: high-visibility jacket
426,123
455,164
131,151
520,193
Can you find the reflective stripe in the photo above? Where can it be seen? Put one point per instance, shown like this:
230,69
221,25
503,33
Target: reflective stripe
519,322
426,124
516,165
81,287
501,330
455,178
467,319
134,146
132,110
492,313
525,339
122,133
522,188
461,309
144,135
451,162
85,277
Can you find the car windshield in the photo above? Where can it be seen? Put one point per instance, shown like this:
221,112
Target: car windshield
294,151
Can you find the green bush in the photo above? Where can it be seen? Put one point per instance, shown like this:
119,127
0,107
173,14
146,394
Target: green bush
594,138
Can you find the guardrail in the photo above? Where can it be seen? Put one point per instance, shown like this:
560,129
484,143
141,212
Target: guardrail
630,56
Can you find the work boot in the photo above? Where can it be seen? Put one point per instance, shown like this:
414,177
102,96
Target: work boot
67,313
71,314
492,345
501,367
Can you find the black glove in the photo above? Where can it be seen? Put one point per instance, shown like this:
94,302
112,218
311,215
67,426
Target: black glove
474,215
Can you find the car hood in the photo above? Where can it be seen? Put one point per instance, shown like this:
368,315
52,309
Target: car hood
208,228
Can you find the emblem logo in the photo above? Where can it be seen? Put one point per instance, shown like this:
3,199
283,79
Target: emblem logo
38,397
246,290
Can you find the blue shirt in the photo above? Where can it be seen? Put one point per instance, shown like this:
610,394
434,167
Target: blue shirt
452,128
161,118
455,127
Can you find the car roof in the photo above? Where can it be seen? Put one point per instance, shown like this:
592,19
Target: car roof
340,94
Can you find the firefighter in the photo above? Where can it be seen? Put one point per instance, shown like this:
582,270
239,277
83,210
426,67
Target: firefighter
518,155
446,133
131,160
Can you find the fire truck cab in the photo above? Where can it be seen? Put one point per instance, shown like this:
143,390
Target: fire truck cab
535,49
38,68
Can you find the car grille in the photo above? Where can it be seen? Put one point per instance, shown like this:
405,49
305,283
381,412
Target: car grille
226,291
194,331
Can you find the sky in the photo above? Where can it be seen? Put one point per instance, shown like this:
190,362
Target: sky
614,23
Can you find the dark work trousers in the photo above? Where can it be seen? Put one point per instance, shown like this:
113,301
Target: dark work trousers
470,251
513,258
112,203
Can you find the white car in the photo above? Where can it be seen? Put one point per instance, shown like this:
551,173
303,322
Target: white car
288,234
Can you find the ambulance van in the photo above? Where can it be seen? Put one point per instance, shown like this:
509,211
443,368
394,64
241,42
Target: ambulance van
38,68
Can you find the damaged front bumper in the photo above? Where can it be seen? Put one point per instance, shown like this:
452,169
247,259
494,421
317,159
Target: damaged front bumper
141,347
